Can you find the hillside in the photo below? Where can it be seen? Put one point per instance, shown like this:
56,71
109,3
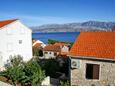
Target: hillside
75,27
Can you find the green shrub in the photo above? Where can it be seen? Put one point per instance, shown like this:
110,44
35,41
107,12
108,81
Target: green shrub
64,83
28,74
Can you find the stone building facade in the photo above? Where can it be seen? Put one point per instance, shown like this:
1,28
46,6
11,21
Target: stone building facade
106,73
93,59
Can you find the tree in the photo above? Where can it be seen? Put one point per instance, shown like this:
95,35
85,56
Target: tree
40,52
14,70
50,41
51,66
35,52
28,74
34,71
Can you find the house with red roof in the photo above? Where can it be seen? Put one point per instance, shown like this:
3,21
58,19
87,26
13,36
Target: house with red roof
37,44
15,39
93,59
55,50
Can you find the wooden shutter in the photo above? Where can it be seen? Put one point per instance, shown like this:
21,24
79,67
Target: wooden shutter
96,71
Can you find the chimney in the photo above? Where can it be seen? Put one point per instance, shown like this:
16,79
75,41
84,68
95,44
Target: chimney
113,29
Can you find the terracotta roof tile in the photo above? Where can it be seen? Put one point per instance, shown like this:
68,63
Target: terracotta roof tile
6,22
51,47
94,44
59,44
37,45
64,53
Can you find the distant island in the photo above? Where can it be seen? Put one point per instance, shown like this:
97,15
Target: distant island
75,27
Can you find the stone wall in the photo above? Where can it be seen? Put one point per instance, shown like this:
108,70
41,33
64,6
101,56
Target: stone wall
106,74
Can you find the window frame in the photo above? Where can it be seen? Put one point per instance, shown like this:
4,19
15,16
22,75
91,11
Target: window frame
50,52
55,53
20,41
45,52
93,73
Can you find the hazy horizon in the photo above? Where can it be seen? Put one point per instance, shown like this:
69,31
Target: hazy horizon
39,12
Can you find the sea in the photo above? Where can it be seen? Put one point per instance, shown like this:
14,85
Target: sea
60,36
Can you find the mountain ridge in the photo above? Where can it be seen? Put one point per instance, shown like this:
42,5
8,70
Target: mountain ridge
75,27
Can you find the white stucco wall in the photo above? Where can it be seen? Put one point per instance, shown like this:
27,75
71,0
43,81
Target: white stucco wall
106,74
49,54
9,41
65,49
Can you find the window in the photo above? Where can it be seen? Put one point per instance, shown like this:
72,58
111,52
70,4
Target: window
92,71
46,52
9,46
20,41
55,54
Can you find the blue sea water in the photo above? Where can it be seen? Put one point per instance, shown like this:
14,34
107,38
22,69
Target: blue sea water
60,36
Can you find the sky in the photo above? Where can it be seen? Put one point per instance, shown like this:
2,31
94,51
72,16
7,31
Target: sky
39,12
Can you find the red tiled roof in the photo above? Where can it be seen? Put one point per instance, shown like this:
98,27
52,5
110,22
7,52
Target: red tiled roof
59,44
94,44
37,45
51,47
64,53
6,22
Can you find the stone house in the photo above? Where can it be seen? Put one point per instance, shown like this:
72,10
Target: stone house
15,39
93,59
54,50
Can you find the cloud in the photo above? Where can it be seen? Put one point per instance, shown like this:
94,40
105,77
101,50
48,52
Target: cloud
31,20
